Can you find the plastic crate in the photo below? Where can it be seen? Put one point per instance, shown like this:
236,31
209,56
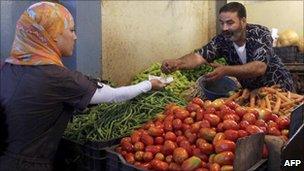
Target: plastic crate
115,162
248,156
89,156
287,54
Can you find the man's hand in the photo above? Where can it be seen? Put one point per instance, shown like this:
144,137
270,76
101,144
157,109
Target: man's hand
218,72
157,85
170,65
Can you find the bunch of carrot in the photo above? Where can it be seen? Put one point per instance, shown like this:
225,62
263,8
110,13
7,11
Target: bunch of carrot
271,98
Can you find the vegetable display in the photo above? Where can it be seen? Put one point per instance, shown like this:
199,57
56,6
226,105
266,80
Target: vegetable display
199,136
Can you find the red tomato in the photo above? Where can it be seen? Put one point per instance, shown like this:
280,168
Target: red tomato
168,126
205,123
207,134
135,137
168,147
232,105
192,138
219,136
186,145
206,148
199,141
227,168
181,113
159,156
148,125
180,154
210,110
169,158
189,121
198,101
197,152
220,127
180,138
178,132
148,156
145,166
174,166
283,122
130,158
199,115
195,127
139,146
231,135
155,132
240,111
170,136
215,167
127,146
159,140
253,111
185,127
260,123
153,149
234,117
242,133
159,165
192,107
250,117
253,129
213,119
126,139
230,124
244,124
147,139
273,117
274,131
138,156
272,124
224,158
224,145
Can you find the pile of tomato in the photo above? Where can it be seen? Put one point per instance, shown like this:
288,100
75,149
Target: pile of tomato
200,136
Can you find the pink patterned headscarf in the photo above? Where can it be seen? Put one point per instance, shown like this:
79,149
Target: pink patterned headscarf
36,30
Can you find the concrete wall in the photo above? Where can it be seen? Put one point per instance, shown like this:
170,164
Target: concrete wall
138,33
276,14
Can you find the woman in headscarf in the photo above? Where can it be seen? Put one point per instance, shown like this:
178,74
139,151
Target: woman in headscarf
39,95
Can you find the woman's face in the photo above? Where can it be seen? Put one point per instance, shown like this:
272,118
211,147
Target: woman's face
66,40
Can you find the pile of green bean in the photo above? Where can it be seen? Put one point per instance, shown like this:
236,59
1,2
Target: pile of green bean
109,121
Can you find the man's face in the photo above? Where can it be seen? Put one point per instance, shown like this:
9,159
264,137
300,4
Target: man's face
232,26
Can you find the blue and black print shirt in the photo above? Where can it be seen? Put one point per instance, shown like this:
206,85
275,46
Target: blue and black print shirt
258,48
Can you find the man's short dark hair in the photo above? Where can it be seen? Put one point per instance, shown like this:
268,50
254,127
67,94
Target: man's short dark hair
234,7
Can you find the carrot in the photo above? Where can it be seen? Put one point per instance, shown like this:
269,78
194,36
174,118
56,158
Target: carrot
277,105
293,102
234,96
268,106
283,97
245,94
295,96
270,90
288,95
